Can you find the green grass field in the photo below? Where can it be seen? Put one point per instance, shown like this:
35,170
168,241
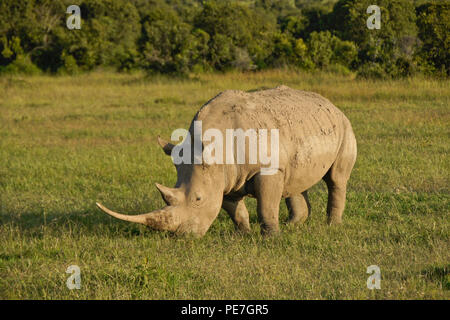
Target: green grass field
66,142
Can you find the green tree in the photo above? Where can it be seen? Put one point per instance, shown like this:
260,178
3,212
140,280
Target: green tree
382,48
25,25
168,44
433,21
235,30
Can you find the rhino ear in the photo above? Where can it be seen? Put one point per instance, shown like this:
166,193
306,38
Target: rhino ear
166,146
170,195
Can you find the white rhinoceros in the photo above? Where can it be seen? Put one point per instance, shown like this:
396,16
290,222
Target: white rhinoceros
315,141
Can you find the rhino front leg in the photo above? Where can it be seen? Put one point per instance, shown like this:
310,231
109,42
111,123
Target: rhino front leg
238,213
268,191
298,207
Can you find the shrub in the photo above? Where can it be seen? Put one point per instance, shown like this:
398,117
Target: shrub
433,21
69,65
182,36
320,48
372,70
379,47
21,65
326,49
232,28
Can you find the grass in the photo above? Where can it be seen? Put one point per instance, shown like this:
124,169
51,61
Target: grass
66,142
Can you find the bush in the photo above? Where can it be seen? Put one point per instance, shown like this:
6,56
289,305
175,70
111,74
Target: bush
242,60
182,36
21,65
345,53
166,42
378,48
372,70
69,65
339,69
234,28
320,48
326,49
433,20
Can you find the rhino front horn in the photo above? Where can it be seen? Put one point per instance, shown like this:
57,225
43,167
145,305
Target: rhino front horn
162,219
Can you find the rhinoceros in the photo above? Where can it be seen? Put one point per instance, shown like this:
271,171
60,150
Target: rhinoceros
315,141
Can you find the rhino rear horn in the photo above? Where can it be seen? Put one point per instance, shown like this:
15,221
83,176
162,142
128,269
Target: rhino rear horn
166,146
171,196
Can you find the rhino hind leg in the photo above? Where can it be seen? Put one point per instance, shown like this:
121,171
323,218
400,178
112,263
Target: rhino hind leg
336,201
237,211
299,208
268,192
336,180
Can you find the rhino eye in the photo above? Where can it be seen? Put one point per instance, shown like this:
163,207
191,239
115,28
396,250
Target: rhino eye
197,199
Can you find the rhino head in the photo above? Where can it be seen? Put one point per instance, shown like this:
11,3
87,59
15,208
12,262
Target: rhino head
192,205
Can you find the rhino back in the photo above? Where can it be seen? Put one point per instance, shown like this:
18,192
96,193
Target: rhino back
311,128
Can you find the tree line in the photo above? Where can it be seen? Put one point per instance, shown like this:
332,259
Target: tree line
184,36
